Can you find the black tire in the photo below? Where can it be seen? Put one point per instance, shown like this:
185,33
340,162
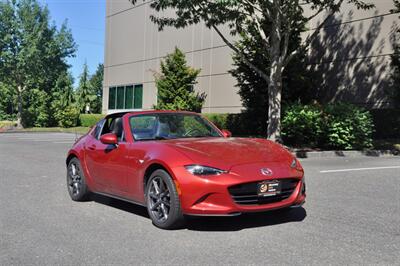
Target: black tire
76,181
162,215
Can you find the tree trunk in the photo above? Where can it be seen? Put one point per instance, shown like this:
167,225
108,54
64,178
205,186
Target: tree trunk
274,103
19,113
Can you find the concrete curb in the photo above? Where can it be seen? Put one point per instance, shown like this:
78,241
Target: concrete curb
350,154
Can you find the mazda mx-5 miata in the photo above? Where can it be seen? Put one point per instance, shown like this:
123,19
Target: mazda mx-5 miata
179,163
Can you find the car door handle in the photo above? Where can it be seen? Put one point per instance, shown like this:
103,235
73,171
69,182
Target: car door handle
92,148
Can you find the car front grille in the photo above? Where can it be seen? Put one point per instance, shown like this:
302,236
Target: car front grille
246,194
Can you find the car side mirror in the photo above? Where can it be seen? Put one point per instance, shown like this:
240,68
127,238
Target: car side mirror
110,139
226,133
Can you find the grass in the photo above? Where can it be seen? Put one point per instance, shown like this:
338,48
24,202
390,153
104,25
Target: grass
6,123
79,130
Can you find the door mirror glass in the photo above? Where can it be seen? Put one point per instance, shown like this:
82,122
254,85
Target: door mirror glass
110,139
226,133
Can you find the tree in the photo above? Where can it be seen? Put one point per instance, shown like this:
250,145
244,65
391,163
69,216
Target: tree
85,95
176,85
244,16
6,103
65,90
63,97
96,83
298,80
32,52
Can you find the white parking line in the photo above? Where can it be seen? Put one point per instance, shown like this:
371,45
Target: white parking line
360,169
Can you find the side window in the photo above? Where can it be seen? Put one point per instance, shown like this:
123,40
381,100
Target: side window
106,126
114,125
143,127
97,129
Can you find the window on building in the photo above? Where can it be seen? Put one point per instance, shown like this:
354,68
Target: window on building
126,97
120,97
129,97
112,98
138,96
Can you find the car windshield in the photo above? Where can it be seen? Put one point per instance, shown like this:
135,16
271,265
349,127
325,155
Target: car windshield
171,126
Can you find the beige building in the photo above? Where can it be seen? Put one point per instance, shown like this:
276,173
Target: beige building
352,57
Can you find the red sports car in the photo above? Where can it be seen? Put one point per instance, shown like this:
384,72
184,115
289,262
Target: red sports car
179,163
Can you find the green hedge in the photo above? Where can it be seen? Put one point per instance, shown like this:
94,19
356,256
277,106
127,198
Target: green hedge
89,120
334,126
303,125
68,117
4,124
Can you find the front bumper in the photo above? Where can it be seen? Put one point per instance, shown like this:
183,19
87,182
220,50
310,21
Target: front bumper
211,195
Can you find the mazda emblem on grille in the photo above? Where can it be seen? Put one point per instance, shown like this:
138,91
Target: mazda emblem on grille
266,171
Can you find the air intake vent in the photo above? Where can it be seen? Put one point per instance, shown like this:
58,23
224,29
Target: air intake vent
246,194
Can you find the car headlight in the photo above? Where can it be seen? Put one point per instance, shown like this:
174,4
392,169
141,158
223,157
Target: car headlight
203,170
294,163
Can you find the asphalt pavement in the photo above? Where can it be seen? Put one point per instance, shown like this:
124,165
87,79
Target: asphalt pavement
352,216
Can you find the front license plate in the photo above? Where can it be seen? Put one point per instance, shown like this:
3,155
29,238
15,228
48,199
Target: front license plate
268,188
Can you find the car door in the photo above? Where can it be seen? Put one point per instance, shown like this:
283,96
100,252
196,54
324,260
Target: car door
107,164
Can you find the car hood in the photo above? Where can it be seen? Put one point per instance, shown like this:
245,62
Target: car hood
224,153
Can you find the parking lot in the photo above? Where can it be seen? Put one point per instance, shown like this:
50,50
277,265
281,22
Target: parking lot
352,216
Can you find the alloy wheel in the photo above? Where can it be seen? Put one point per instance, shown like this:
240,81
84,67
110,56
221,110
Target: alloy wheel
74,179
159,199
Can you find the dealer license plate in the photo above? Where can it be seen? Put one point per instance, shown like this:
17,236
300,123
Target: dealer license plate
268,188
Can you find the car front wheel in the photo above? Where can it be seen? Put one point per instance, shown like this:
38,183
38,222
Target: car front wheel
162,200
76,181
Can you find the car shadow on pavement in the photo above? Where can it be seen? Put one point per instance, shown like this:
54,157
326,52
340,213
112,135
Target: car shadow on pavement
248,220
121,205
236,223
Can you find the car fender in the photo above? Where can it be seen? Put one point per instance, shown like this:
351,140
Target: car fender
79,152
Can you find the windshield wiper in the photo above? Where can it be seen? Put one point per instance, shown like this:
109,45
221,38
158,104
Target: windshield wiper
200,136
155,138
160,138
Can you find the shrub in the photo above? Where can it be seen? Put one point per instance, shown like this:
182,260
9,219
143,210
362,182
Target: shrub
348,127
7,124
69,117
89,120
220,120
237,124
303,125
335,126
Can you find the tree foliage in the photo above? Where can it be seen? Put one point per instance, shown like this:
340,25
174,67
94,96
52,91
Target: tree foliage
33,54
84,93
334,126
176,83
96,84
253,89
89,93
249,16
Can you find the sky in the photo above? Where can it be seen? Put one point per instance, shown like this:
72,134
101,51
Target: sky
86,19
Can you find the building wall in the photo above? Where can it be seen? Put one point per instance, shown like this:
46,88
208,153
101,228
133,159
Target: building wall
351,57
134,48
